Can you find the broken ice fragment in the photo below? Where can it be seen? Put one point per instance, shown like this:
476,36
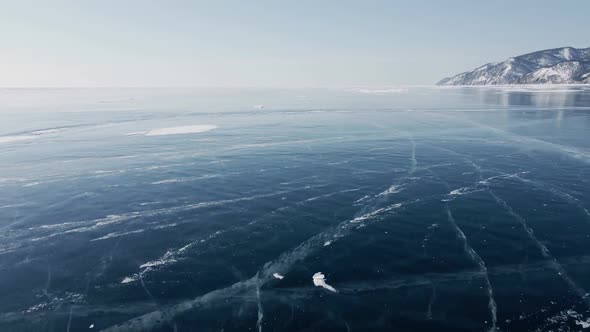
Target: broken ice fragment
319,279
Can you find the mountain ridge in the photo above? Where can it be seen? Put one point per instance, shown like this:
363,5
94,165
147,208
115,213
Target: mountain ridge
563,65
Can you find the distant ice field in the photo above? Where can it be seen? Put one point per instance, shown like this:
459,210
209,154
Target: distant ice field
369,208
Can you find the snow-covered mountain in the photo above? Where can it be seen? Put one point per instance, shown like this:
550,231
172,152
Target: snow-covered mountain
566,65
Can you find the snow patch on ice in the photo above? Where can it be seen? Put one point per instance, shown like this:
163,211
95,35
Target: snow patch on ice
362,199
128,280
394,189
136,133
47,131
463,191
54,301
158,262
187,179
180,130
383,91
10,139
376,213
141,230
29,136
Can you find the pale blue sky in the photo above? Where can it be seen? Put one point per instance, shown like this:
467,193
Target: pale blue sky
303,43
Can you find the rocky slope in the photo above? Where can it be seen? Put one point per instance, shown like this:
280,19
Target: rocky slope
566,65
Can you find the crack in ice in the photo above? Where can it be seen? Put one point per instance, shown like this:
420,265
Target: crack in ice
283,263
480,263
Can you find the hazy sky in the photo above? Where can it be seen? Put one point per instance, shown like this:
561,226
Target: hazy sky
302,43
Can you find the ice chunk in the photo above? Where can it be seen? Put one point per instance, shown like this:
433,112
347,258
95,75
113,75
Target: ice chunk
584,323
319,279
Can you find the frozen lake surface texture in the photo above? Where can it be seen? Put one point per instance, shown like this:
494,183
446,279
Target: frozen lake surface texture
386,209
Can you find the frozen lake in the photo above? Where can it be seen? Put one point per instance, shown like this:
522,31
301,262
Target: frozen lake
390,209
